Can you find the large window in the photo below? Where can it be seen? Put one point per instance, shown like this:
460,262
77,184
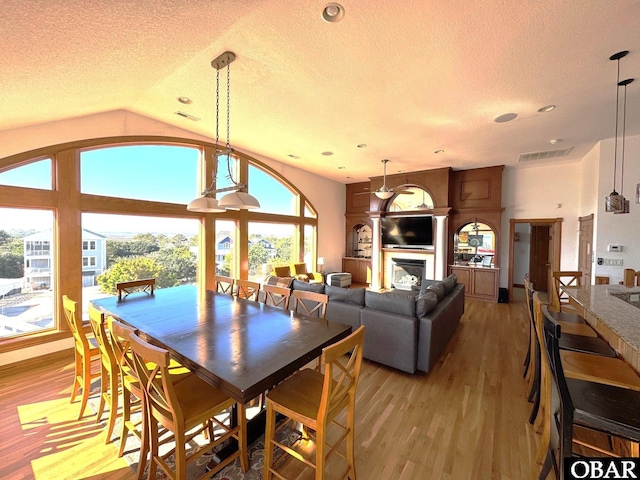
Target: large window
273,195
146,172
32,175
26,271
119,213
270,244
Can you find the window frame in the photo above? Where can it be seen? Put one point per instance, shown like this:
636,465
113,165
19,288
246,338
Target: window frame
68,203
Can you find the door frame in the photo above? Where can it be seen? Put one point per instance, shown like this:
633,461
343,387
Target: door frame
555,228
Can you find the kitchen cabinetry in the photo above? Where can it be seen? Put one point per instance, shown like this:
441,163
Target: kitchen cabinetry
479,282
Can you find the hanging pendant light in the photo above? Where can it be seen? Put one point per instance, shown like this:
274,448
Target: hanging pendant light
238,198
614,202
625,203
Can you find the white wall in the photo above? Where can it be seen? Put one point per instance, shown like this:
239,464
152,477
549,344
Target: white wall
542,191
621,229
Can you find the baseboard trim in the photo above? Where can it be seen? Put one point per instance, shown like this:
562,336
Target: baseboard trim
17,368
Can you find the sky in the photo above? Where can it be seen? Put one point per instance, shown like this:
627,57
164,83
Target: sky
146,172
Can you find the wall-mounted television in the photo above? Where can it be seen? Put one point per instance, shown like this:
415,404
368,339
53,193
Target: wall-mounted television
407,231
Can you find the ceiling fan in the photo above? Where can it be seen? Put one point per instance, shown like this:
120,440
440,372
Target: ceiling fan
385,192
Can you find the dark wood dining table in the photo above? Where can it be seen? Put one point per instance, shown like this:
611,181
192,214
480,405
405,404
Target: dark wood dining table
240,346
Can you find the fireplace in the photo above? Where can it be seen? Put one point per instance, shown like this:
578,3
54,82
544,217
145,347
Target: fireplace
407,274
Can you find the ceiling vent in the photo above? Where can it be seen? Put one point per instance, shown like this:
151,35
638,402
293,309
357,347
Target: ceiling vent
560,152
186,115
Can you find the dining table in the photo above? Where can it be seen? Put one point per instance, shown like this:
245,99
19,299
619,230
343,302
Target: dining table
240,346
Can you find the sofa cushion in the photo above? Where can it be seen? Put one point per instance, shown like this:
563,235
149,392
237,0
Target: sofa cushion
425,302
278,281
449,283
391,302
309,287
345,295
438,288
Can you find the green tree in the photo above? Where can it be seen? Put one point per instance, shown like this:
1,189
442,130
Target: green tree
11,265
283,249
258,256
178,266
127,269
227,266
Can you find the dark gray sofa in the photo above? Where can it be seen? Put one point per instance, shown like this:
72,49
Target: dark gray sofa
407,330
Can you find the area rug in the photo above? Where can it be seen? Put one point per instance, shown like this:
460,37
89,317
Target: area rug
196,469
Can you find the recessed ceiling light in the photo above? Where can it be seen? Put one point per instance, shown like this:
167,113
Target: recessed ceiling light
185,100
348,178
546,108
341,168
327,154
400,171
553,141
332,12
439,151
295,157
504,118
362,145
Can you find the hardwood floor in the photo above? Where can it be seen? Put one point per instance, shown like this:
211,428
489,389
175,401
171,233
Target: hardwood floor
466,419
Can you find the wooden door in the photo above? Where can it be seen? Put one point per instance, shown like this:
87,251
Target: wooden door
585,248
539,259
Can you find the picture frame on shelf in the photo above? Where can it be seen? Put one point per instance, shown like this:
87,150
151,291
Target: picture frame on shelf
486,260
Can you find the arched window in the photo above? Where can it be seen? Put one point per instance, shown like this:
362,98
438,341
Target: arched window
119,208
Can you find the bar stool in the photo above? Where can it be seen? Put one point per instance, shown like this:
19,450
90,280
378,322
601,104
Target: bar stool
247,289
86,351
315,400
109,373
186,407
223,284
611,410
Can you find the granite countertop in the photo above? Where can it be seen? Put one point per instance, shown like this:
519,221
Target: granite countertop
607,303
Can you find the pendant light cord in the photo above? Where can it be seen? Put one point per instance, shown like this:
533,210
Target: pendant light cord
615,148
624,127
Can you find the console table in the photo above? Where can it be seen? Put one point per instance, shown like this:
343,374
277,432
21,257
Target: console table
613,317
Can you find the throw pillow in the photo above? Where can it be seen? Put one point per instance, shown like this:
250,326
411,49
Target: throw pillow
425,302
438,288
449,283
309,287
345,295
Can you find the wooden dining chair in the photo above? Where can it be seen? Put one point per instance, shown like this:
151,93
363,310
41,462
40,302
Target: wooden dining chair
109,372
186,407
131,390
86,353
561,301
224,284
597,407
313,304
125,288
315,400
247,289
276,296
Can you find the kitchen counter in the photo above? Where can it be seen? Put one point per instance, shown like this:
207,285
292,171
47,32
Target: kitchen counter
612,311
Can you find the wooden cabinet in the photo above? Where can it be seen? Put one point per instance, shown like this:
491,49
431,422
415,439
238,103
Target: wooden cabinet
360,269
479,282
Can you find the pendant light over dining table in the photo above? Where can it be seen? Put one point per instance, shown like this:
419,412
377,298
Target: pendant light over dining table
615,202
237,198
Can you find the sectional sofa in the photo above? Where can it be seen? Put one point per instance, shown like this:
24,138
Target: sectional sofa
406,330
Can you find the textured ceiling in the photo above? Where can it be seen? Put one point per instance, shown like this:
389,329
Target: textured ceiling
405,78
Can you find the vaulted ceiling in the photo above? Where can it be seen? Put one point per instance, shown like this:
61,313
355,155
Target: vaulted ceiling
405,78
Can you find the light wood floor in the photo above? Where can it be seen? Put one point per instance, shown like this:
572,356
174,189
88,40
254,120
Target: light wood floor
466,419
